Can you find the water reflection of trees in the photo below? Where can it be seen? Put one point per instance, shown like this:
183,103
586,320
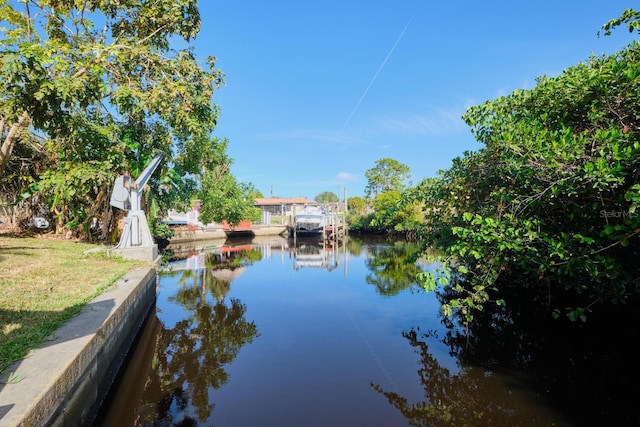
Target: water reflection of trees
192,355
190,358
589,370
219,269
393,268
468,397
354,246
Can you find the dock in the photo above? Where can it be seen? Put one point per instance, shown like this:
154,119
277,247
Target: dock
327,233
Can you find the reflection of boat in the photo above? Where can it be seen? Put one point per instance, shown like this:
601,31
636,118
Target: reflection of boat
213,257
234,254
309,256
310,220
312,255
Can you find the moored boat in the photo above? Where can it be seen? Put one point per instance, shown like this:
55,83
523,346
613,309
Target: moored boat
310,220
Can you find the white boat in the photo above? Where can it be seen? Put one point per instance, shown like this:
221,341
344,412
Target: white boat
310,220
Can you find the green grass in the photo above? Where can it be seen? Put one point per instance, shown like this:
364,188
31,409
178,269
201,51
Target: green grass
45,281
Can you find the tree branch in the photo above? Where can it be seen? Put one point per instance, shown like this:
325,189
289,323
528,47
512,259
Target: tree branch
10,140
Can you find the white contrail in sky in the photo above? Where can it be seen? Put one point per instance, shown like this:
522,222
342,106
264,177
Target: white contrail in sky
375,76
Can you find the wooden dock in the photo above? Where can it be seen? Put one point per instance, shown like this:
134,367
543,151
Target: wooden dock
335,231
328,233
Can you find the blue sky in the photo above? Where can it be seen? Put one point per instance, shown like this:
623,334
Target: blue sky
316,92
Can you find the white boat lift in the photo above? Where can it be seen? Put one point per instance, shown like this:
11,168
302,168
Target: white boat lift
136,241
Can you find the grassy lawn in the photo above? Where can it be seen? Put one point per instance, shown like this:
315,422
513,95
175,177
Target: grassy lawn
45,281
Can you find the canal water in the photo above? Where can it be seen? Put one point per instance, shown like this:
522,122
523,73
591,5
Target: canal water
266,332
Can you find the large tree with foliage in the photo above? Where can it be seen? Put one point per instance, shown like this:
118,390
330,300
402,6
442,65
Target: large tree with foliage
95,88
551,203
357,213
388,174
392,216
223,198
327,197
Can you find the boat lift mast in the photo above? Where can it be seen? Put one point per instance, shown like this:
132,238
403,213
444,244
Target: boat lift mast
136,241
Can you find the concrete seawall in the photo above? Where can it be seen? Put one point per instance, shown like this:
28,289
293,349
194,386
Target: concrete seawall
66,379
185,236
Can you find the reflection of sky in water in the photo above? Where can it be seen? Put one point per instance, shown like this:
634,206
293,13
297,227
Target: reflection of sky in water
170,313
297,305
324,337
327,348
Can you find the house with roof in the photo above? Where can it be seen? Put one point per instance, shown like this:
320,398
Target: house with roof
282,206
